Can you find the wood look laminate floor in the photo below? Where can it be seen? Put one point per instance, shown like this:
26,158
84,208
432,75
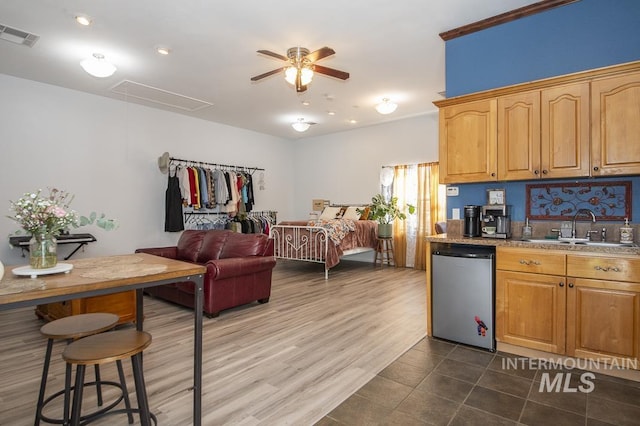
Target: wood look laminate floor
290,361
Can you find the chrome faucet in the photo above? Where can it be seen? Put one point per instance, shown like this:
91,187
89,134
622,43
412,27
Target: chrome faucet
573,223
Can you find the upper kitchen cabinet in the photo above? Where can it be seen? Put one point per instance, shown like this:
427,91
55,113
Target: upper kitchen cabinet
615,128
578,125
468,142
544,133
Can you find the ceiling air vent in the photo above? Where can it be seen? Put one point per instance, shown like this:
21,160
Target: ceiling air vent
17,36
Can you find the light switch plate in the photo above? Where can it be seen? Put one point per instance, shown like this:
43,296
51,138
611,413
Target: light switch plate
455,214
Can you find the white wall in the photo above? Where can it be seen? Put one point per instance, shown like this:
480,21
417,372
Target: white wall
105,152
345,167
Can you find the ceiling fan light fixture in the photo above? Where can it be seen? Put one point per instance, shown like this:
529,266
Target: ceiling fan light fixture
83,20
300,125
306,75
98,66
386,106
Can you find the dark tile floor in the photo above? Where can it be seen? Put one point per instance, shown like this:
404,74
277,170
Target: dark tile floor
440,383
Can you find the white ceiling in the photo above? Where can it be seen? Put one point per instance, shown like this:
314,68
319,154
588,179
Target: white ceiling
390,48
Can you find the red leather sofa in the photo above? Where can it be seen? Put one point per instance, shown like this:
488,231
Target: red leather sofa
239,268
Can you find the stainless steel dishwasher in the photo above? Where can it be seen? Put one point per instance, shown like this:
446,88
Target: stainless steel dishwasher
463,294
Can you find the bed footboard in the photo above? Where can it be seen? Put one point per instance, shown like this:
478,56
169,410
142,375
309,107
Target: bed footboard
303,243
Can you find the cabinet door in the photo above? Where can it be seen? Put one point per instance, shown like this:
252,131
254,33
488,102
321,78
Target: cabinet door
615,125
603,319
530,310
565,131
468,142
519,136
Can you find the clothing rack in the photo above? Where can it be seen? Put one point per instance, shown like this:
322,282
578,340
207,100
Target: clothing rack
225,166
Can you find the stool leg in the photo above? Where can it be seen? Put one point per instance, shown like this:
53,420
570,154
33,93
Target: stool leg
141,391
67,394
43,381
125,392
77,396
96,369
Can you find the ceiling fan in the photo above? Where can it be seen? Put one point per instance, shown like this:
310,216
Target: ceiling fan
301,66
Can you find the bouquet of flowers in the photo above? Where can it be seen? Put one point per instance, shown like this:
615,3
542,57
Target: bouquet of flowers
51,215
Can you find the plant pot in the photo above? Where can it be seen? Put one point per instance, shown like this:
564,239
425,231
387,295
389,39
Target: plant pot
385,230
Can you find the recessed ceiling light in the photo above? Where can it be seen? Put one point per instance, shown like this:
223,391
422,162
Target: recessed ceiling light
306,103
331,112
352,121
83,20
163,50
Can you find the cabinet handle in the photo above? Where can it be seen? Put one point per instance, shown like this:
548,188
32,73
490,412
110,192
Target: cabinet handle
529,262
570,285
535,172
493,175
561,284
606,268
596,168
544,172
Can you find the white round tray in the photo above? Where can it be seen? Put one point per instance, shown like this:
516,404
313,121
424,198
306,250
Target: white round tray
33,273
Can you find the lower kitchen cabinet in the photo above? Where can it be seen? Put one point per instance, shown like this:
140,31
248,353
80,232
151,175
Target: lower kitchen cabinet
589,307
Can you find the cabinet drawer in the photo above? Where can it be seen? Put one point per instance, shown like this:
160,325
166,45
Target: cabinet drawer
604,268
527,260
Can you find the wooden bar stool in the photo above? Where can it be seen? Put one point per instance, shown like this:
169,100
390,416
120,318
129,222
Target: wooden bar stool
384,252
108,347
70,328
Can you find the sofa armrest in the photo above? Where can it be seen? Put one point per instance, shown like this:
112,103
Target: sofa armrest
169,252
219,269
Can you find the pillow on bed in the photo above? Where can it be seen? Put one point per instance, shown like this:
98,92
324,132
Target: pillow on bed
365,213
329,213
351,213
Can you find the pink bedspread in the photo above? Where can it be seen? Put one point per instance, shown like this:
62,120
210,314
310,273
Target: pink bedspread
364,236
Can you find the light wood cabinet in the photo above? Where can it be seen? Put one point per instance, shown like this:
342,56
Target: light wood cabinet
615,102
122,304
544,133
582,305
531,299
468,142
579,125
603,307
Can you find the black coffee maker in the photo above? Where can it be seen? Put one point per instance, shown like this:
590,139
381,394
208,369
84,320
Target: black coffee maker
472,221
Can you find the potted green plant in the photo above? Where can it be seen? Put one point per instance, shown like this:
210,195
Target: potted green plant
385,212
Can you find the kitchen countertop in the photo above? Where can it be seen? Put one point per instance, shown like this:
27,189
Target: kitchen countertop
497,242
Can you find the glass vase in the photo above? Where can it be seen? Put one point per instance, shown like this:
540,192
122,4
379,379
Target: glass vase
43,251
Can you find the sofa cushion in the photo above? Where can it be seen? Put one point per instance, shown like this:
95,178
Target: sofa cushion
189,245
212,245
242,245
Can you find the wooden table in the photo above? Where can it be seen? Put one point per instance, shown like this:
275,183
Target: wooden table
113,274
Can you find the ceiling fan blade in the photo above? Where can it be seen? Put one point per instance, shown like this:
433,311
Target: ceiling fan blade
330,72
267,74
323,52
273,55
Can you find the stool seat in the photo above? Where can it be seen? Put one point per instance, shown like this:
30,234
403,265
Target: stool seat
106,347
79,326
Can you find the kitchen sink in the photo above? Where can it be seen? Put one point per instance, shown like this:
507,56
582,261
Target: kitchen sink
581,241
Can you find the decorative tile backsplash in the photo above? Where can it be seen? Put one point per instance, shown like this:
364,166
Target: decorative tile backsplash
557,201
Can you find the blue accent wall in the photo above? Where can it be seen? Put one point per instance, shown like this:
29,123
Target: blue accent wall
579,36
476,193
576,37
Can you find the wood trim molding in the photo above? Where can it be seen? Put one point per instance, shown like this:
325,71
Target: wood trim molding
512,15
609,71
